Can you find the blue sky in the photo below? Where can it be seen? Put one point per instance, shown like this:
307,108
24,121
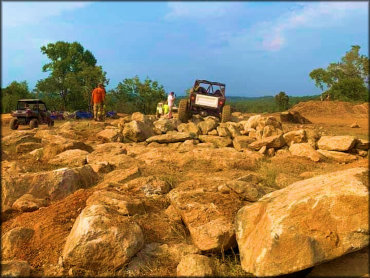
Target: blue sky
256,48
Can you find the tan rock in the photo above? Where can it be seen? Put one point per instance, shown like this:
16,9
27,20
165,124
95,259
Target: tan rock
263,150
223,131
110,135
15,268
355,125
276,141
137,131
27,147
102,167
208,216
338,156
120,176
195,265
171,137
213,132
216,140
12,242
207,125
242,142
165,125
334,210
72,158
233,129
28,202
37,154
336,143
362,144
140,117
102,239
246,190
305,150
18,137
123,204
296,136
58,144
270,130
252,122
53,185
189,128
271,152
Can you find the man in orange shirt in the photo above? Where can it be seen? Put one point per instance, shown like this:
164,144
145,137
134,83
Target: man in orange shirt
97,99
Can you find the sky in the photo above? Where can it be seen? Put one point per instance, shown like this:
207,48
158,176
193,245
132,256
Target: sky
255,48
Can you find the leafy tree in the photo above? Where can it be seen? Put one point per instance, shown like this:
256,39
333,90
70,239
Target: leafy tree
11,94
73,74
340,79
282,101
133,95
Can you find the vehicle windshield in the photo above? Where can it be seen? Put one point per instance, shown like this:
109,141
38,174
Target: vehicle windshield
209,89
23,105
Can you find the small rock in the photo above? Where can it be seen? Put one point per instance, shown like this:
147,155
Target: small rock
355,125
15,269
195,265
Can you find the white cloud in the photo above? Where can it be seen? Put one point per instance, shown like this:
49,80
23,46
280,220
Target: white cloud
22,13
310,15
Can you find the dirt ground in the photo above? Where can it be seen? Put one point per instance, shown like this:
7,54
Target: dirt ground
53,224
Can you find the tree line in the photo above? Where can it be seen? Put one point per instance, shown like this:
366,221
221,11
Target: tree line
74,73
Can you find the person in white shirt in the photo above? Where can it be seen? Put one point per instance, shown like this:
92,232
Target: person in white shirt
171,102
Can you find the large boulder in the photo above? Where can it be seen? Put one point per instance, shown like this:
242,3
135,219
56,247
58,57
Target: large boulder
12,241
137,131
305,150
242,142
338,156
195,265
28,202
336,143
276,141
101,239
208,216
252,122
163,125
18,137
216,140
71,158
295,136
232,128
57,144
188,128
110,135
113,153
27,147
140,117
223,131
51,185
207,125
171,137
305,224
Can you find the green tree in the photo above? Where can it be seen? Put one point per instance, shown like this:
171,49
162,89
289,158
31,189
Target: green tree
73,74
340,79
134,95
282,101
11,94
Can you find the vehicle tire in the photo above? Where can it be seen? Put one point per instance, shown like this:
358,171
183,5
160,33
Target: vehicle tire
51,123
226,114
14,124
183,110
34,123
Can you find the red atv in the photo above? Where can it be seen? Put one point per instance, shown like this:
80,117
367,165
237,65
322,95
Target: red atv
30,112
206,99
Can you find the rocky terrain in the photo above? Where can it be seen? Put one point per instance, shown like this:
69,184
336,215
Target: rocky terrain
261,195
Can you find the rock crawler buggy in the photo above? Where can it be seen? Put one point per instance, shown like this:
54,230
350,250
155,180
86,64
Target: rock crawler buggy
206,98
30,112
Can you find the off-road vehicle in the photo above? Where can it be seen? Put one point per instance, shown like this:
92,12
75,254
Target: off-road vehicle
206,98
30,112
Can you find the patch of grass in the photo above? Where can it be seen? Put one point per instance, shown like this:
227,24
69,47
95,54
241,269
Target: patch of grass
228,264
268,172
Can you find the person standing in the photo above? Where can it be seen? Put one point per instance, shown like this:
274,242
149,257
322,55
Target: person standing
171,102
97,99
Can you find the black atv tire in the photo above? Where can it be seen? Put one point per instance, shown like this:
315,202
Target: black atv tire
14,124
226,114
183,111
34,123
50,123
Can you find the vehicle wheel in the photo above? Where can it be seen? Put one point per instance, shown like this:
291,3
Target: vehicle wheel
51,123
34,123
14,124
183,110
226,114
